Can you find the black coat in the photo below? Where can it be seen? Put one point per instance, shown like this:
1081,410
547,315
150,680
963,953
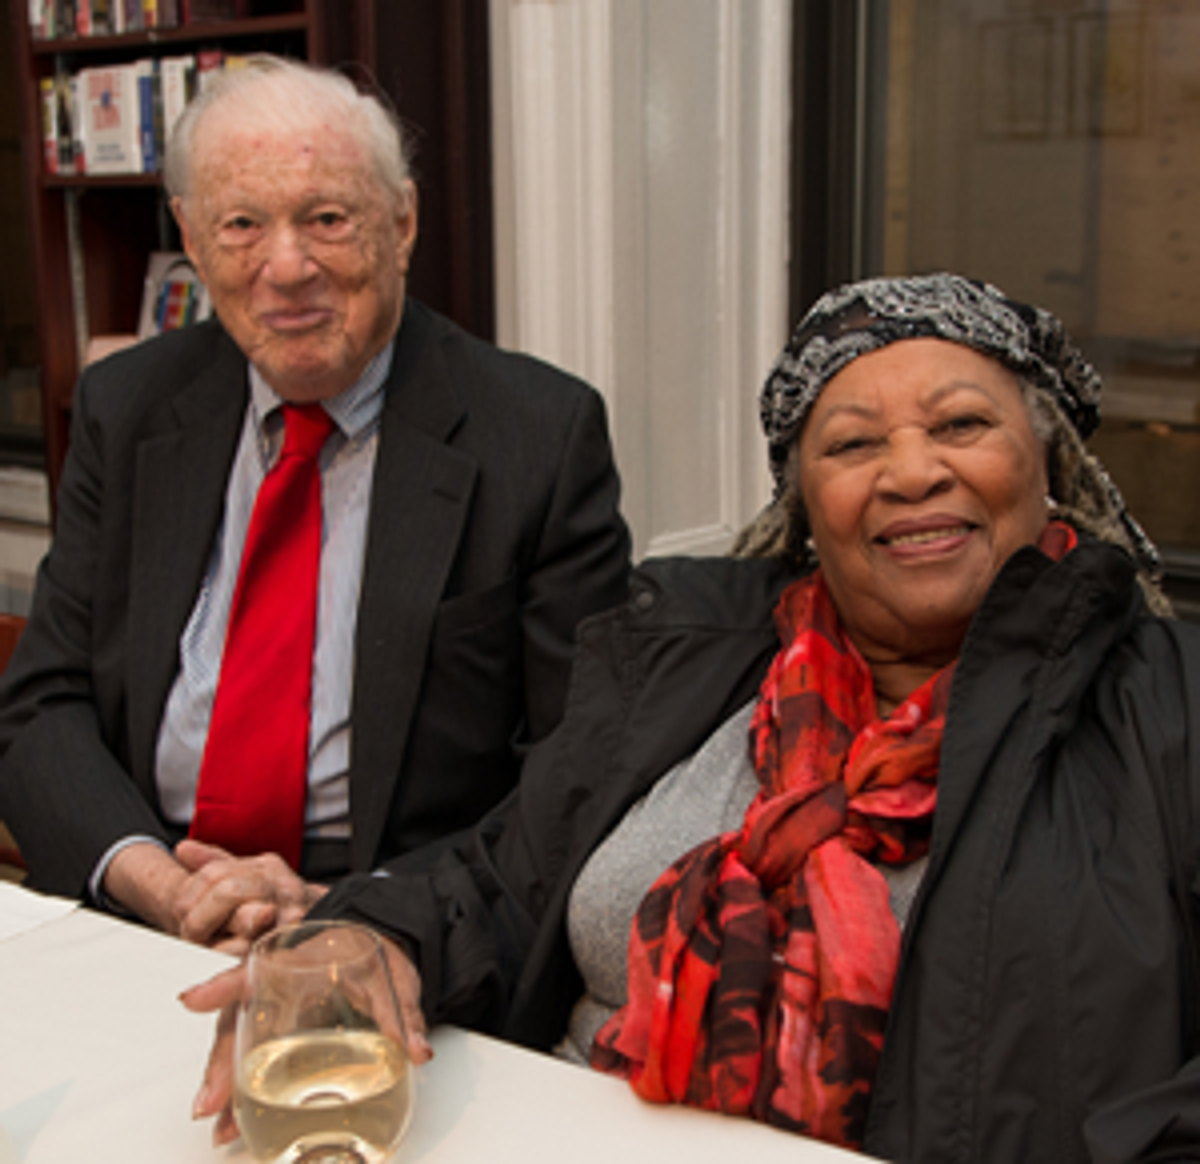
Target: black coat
493,529
1041,974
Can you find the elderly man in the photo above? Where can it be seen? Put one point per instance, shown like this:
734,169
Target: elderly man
317,566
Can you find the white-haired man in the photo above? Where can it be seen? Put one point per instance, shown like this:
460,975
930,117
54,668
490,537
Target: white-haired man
250,669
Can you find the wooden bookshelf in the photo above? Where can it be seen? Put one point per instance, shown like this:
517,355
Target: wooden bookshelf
91,235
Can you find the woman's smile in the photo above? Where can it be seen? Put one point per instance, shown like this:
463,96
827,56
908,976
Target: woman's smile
929,537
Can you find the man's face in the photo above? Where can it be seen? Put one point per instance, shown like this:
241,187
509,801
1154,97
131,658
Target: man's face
303,249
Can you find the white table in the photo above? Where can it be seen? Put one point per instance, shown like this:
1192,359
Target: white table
99,1062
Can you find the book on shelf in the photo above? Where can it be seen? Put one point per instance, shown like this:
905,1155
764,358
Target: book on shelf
160,13
41,19
178,86
64,17
48,90
109,119
173,295
132,16
150,113
93,17
66,124
78,164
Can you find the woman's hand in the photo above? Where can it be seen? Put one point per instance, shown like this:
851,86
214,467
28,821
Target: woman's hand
225,991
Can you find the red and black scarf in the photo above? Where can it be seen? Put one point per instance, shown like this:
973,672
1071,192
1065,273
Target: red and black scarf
761,964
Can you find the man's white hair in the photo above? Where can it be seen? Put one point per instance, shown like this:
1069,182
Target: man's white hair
283,94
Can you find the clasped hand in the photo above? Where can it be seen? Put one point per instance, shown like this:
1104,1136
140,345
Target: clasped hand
206,895
228,901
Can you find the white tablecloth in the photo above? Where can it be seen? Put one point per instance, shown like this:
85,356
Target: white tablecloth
99,1063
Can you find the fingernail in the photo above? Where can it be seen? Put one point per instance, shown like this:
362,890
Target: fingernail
201,1103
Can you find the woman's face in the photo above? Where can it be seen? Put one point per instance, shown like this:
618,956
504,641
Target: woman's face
921,475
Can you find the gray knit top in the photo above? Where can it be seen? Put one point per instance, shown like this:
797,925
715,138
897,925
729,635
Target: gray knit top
700,797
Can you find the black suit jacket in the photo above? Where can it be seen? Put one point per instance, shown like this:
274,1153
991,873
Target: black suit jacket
493,529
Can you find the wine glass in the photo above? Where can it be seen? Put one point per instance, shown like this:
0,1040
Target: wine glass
323,1076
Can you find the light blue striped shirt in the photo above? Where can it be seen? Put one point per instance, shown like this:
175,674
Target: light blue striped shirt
347,465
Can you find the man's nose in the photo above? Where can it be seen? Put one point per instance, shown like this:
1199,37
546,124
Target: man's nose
914,466
287,258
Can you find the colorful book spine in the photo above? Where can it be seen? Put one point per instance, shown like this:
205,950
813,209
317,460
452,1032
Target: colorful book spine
48,91
150,116
176,304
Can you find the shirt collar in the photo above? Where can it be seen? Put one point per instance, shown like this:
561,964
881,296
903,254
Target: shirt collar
354,411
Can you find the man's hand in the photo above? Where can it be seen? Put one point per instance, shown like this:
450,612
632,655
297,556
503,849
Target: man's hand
206,895
223,994
229,901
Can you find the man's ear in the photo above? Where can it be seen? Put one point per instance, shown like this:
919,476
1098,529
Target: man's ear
406,226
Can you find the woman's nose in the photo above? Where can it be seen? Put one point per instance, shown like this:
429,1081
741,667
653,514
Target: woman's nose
913,467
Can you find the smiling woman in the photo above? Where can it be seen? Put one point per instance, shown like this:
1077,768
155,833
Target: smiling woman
921,476
862,832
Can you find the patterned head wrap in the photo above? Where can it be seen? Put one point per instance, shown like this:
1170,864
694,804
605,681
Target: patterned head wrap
863,317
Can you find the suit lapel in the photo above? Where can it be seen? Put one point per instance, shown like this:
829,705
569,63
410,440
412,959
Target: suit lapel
179,495
420,499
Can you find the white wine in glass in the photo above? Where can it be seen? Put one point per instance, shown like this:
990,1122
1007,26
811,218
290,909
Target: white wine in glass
322,1075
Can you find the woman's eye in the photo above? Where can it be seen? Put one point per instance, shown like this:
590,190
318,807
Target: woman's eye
847,445
964,425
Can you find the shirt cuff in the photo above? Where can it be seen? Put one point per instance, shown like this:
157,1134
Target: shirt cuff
96,881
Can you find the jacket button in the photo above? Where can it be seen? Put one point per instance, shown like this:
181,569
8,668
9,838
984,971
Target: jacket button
643,600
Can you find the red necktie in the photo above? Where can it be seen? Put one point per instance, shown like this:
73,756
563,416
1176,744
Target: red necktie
254,774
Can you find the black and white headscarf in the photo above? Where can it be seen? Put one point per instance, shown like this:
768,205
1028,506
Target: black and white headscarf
863,317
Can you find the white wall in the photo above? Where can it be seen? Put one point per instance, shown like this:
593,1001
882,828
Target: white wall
641,170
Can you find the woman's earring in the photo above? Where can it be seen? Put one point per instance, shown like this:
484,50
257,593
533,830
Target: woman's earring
810,548
1051,505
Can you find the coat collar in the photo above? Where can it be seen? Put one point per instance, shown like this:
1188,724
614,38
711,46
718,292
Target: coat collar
178,500
420,503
